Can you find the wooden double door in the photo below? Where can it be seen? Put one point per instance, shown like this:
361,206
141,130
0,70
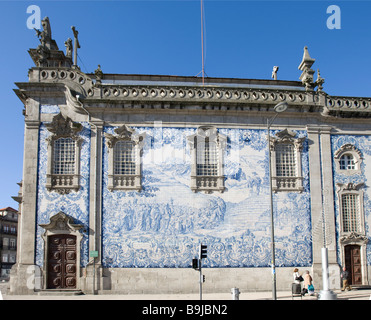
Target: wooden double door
62,262
353,264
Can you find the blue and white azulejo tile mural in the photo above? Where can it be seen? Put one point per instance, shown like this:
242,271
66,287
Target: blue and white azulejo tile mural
74,204
162,225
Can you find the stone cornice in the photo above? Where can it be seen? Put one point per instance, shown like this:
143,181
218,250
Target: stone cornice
171,92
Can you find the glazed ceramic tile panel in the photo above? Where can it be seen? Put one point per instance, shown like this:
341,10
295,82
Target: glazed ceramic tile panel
162,225
74,204
363,144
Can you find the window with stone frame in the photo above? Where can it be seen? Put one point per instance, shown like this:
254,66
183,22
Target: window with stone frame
64,146
350,197
207,156
348,159
124,159
286,169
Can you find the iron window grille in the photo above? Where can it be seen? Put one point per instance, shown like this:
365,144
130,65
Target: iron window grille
64,156
350,210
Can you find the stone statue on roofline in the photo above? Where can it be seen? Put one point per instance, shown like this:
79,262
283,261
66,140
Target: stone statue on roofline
45,36
68,44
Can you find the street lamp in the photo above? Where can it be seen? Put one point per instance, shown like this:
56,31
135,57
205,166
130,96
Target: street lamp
278,108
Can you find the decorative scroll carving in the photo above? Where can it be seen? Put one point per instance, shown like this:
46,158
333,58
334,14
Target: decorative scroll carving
61,222
350,186
287,136
353,238
123,133
63,127
347,148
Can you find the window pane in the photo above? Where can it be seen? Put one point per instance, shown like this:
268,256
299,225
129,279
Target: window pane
64,156
207,159
285,160
350,209
124,157
347,162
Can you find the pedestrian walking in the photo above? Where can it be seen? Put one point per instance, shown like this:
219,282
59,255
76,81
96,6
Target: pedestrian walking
296,285
308,284
345,278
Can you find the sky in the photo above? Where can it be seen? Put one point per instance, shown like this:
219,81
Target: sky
242,39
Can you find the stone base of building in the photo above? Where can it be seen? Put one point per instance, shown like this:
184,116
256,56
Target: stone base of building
25,279
334,275
182,280
28,279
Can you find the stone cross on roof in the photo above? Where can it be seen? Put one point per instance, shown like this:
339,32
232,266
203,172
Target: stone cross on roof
76,46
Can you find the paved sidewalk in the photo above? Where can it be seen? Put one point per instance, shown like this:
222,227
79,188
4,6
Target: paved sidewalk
360,294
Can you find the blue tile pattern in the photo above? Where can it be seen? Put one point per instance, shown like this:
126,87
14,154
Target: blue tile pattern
163,225
74,204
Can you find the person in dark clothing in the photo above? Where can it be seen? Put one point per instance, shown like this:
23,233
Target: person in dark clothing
345,278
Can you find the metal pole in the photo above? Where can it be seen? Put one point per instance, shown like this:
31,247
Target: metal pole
325,273
274,295
93,275
202,45
326,293
200,278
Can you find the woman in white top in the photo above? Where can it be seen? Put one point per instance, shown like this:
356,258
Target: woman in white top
296,275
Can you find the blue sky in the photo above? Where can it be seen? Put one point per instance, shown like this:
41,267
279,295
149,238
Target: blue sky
243,39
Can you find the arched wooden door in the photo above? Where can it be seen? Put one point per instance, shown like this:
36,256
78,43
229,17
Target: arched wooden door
61,262
353,264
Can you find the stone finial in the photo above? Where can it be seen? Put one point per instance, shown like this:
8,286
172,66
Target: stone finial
320,81
307,61
306,76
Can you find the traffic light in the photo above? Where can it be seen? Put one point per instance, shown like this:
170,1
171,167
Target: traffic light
203,278
195,264
203,251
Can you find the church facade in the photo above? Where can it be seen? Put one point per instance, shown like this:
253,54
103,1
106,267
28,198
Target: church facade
126,175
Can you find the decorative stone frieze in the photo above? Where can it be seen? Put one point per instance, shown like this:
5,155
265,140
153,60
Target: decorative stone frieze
154,94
